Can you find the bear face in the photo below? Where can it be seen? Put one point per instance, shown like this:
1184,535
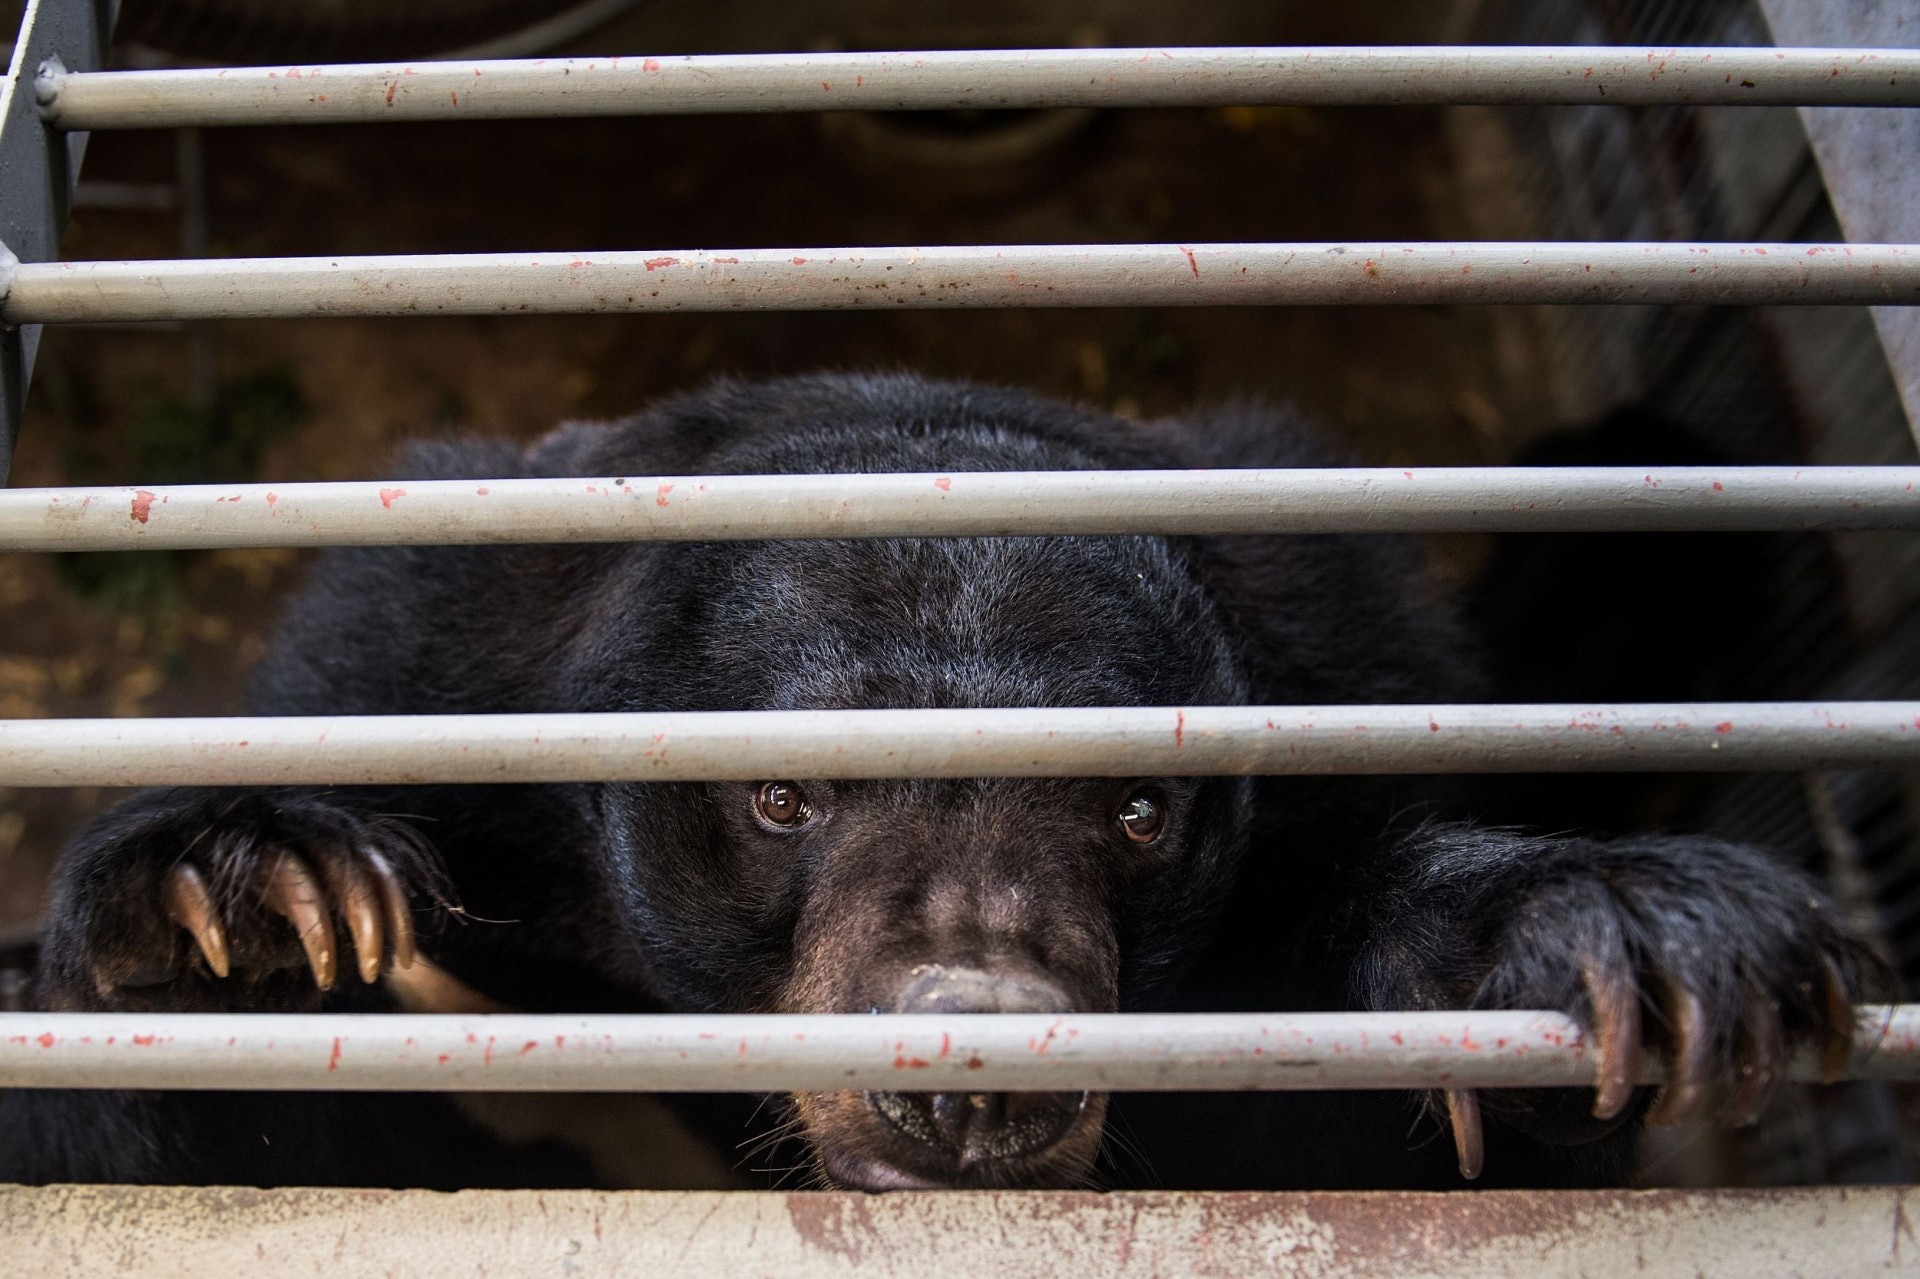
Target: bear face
974,895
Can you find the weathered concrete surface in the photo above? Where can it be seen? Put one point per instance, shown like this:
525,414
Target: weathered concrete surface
93,1230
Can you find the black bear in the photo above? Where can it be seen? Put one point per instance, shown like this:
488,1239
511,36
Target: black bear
792,895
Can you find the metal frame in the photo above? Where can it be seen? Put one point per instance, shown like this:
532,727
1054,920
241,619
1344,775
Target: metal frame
1136,1052
38,167
1874,200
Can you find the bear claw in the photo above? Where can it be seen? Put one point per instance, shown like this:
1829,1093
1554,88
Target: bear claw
361,887
191,906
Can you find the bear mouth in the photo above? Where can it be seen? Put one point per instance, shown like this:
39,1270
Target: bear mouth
883,1141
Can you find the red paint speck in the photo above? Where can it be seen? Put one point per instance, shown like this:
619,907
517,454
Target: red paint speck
390,89
388,495
943,484
654,264
47,1040
1179,730
142,506
660,494
145,1041
799,261
1724,726
482,491
333,1060
1193,263
651,64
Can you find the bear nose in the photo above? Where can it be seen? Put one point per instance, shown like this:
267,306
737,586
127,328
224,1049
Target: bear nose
938,988
975,1127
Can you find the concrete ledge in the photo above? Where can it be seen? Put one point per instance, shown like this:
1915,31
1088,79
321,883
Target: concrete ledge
93,1230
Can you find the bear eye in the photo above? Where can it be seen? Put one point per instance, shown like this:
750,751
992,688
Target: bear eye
1142,817
782,804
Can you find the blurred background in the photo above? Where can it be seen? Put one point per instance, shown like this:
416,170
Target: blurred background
1580,618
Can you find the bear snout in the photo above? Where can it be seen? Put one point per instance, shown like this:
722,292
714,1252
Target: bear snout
969,1129
940,988
885,1140
974,1128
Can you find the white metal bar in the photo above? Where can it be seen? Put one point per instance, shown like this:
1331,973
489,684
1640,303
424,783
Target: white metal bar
1000,742
955,277
960,504
1001,1052
981,78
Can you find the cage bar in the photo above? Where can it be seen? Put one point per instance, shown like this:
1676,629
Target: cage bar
1049,741
966,276
722,1053
960,504
975,79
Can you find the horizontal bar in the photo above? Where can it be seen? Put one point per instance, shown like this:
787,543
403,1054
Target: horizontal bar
185,1232
1001,1052
1002,742
962,504
959,277
980,79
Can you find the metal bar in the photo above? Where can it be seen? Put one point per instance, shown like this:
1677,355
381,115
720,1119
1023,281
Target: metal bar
967,276
182,1232
999,742
37,171
999,1052
961,504
983,78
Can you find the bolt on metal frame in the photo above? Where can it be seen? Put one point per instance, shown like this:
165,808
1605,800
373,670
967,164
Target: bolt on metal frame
55,93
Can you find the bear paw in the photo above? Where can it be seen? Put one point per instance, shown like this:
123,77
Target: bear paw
211,900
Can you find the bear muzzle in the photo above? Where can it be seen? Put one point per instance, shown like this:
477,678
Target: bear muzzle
926,1140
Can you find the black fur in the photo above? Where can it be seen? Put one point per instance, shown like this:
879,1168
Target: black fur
1309,893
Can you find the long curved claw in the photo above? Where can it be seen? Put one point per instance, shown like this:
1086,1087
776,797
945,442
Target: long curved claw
358,901
292,891
1469,1141
1761,1053
190,905
1616,1032
393,899
1690,1062
1837,1052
